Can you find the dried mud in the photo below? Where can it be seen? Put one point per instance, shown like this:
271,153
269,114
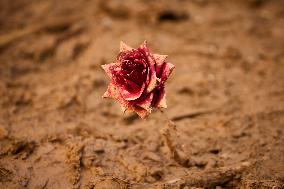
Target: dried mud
226,95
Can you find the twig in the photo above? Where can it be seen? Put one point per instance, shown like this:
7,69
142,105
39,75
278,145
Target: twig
192,115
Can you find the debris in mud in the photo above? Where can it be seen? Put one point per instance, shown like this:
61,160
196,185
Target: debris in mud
170,137
209,178
111,183
5,175
22,149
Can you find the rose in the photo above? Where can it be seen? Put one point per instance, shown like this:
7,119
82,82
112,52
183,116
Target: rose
138,79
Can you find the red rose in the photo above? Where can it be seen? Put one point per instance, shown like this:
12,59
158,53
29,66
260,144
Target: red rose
138,79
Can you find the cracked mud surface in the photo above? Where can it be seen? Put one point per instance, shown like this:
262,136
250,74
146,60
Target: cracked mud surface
226,94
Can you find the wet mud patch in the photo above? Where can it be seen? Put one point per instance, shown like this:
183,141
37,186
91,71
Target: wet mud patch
225,95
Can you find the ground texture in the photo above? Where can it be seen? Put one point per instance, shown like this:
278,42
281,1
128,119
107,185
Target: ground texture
226,95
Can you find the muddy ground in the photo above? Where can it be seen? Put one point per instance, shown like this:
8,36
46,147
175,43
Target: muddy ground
226,95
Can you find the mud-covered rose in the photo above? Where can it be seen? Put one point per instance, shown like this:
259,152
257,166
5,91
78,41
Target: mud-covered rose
138,79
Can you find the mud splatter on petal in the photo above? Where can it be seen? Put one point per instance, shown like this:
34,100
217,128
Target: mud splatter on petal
110,69
159,58
111,91
124,47
148,54
124,104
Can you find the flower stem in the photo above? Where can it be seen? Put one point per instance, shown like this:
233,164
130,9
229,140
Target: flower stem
167,133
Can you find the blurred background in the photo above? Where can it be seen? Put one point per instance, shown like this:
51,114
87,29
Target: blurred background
226,94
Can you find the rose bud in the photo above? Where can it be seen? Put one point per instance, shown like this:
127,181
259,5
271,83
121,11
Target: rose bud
138,79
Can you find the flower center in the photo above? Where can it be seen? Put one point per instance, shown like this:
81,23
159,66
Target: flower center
134,67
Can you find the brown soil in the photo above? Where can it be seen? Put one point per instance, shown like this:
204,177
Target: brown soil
226,95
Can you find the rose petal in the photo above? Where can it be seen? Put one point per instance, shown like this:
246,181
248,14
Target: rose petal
112,92
130,90
166,71
160,60
146,103
140,111
152,72
124,104
124,47
110,69
144,45
152,82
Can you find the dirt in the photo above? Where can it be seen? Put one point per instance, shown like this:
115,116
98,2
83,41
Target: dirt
226,95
